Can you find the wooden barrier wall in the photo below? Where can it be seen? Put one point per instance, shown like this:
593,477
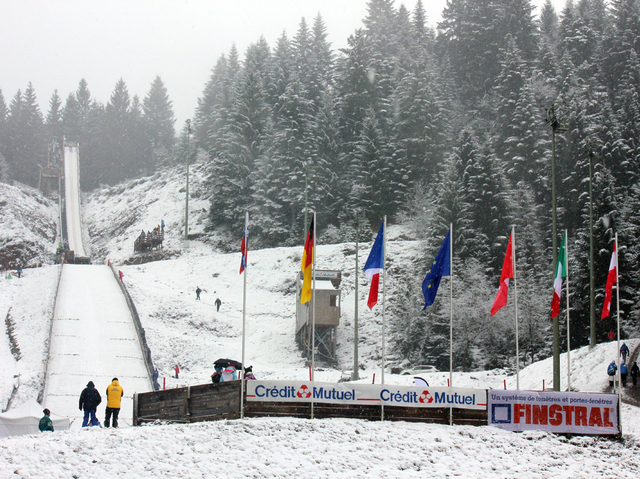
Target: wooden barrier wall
205,402
211,402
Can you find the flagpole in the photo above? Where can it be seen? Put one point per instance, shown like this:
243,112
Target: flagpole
515,290
617,250
566,265
384,320
451,316
355,375
313,302
244,310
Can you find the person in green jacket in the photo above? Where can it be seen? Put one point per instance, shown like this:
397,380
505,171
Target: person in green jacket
45,423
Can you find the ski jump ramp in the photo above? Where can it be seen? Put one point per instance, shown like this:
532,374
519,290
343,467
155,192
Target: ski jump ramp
93,336
72,199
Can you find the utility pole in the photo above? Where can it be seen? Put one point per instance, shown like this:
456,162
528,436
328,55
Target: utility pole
592,308
553,122
306,208
186,208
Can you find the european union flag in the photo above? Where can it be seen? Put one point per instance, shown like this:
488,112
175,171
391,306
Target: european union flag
441,267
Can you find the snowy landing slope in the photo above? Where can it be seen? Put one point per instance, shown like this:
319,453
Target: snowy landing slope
93,339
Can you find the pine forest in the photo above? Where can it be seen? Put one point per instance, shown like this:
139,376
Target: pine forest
428,126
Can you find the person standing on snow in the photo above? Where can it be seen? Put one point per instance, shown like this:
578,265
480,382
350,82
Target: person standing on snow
611,371
198,291
114,397
89,401
121,275
623,374
46,424
229,374
634,373
177,370
218,304
248,373
217,376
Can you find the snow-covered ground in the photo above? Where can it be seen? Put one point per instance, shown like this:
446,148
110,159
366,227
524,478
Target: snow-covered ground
191,333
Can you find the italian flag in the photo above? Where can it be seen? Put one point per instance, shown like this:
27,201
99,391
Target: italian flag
561,272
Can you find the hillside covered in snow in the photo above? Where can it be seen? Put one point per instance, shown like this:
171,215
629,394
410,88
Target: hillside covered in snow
181,330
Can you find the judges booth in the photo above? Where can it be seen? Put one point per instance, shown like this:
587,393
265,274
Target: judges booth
327,315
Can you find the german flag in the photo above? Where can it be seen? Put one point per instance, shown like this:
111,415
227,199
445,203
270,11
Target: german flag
307,262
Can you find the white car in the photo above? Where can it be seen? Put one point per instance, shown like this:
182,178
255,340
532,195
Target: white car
420,369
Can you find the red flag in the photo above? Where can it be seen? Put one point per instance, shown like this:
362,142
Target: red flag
611,279
507,273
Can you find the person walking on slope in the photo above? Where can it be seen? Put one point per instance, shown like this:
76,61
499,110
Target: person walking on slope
611,372
623,374
198,291
624,350
218,303
46,424
89,401
634,373
114,397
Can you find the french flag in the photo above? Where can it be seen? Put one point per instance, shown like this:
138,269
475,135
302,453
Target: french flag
374,265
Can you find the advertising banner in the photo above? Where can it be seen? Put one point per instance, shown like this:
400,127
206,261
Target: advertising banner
558,412
377,394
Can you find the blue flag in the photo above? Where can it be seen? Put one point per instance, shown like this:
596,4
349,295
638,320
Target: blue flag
441,267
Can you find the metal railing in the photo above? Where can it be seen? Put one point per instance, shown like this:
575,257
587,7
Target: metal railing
146,352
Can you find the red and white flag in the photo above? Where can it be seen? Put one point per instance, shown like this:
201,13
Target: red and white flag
612,278
507,273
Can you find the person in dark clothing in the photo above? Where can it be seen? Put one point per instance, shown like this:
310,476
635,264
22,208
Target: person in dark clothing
19,272
634,373
624,350
218,303
89,401
248,373
215,377
46,424
198,291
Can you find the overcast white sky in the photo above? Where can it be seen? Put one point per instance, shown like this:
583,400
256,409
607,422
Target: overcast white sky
55,43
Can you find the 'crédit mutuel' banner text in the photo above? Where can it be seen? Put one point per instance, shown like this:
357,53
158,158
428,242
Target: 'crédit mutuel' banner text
558,412
377,394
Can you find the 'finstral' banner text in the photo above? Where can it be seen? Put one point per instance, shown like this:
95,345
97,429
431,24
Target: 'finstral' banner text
376,394
558,412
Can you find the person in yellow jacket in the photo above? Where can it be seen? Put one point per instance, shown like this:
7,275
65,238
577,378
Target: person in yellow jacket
114,396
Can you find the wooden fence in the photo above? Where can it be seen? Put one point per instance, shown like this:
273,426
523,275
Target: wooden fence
211,402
